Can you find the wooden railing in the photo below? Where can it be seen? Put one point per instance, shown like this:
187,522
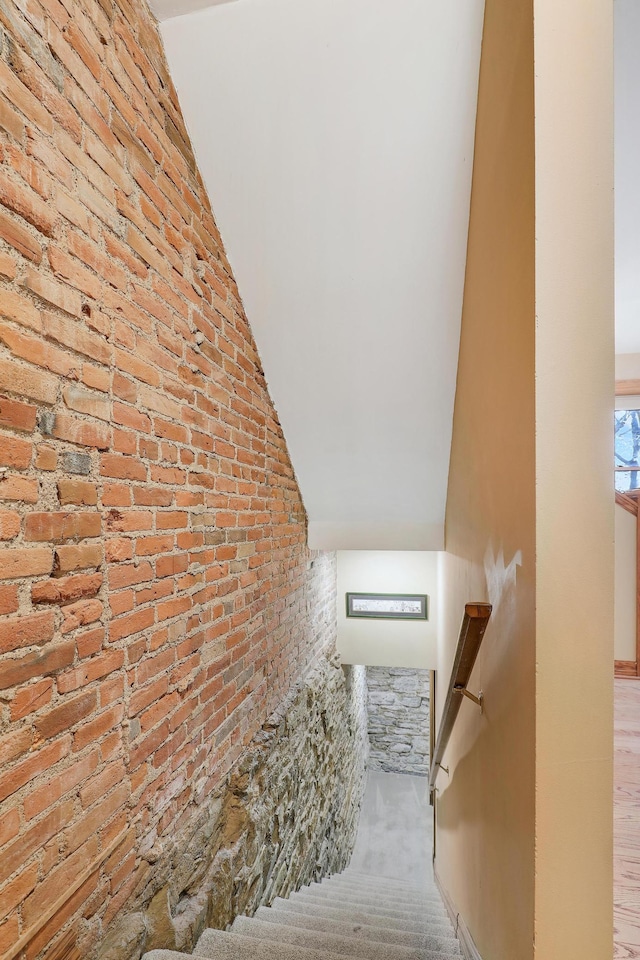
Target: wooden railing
474,624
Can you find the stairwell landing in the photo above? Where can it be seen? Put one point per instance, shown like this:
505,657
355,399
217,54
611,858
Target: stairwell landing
384,906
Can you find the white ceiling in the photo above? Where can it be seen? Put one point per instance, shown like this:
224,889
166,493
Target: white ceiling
627,175
335,138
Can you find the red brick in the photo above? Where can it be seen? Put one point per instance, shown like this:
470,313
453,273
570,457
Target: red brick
13,487
90,642
27,562
9,825
16,378
62,526
82,401
66,589
69,332
78,557
58,294
9,524
81,613
18,308
15,892
66,715
8,599
79,492
8,264
15,453
127,626
27,204
91,670
126,575
122,468
172,520
83,432
118,549
126,521
31,698
98,726
152,497
47,892
59,785
73,273
14,745
33,630
36,664
172,565
146,546
25,771
46,457
9,933
17,415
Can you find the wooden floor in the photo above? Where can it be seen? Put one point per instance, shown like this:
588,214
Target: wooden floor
626,827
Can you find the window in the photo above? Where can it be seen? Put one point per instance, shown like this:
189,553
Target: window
627,449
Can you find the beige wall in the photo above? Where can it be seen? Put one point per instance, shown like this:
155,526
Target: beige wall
524,821
575,506
626,585
485,841
388,643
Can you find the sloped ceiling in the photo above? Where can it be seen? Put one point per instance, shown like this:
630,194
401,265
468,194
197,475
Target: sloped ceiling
627,178
335,138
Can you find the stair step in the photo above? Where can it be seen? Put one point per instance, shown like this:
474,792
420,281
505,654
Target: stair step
390,893
347,946
377,880
433,939
434,915
348,888
378,906
169,955
351,894
218,945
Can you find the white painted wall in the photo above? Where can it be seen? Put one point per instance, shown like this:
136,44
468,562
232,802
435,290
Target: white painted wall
335,138
627,182
626,585
388,643
628,364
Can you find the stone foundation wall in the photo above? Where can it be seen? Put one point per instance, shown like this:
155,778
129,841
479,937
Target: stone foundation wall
398,706
286,815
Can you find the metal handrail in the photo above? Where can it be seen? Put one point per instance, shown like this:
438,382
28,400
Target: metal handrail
474,624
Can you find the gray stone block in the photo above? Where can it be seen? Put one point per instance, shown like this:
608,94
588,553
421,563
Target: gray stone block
79,463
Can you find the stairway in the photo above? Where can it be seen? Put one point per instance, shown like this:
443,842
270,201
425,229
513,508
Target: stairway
348,915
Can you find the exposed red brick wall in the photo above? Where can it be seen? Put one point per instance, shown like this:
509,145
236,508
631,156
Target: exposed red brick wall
156,596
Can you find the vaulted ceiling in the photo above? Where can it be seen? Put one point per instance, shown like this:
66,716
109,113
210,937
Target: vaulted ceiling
627,179
335,138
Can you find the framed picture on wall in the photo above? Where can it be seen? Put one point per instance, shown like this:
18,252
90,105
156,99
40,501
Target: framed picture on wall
388,606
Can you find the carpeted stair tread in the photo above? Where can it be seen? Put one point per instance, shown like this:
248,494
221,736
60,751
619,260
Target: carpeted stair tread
349,890
422,920
350,886
218,945
433,939
368,904
348,946
377,880
162,954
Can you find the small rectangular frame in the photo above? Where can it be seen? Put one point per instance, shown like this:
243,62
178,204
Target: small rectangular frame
388,606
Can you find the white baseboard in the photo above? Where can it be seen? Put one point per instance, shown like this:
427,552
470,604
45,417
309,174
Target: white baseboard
469,949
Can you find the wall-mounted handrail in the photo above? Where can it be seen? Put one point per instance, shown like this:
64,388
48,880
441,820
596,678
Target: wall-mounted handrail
474,624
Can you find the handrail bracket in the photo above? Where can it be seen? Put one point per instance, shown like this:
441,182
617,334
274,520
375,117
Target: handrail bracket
479,700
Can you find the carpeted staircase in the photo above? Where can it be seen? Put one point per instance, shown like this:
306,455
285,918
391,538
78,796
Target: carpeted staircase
348,915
